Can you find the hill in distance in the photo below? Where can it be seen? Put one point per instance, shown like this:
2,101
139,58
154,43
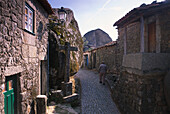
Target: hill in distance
95,38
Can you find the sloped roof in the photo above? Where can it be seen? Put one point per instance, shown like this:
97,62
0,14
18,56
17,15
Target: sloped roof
106,45
143,10
46,6
110,44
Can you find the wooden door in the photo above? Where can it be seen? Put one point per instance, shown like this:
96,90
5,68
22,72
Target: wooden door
9,97
152,37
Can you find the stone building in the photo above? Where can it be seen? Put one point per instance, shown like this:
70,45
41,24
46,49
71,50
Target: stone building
144,48
106,53
140,58
23,53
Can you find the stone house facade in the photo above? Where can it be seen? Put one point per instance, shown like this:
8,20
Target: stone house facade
145,34
106,53
140,58
23,52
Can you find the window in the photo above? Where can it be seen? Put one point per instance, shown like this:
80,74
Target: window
7,86
29,18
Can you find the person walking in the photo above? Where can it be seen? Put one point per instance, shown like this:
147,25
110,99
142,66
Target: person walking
102,71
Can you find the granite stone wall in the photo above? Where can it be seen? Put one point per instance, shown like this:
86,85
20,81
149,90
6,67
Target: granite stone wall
119,53
133,38
21,51
165,34
140,91
139,94
112,55
106,54
140,85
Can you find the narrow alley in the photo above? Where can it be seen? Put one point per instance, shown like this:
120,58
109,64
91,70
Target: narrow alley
95,97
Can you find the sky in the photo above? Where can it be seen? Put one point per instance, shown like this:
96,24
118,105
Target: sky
94,14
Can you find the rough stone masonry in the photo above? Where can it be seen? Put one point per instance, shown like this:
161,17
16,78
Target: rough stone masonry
21,52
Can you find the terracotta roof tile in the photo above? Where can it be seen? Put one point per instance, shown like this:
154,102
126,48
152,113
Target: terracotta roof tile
110,43
106,45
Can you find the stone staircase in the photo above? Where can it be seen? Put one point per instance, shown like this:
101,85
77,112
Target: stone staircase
65,94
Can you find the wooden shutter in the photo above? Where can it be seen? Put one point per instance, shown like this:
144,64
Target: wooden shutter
152,37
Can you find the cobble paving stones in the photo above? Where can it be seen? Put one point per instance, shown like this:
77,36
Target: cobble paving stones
95,97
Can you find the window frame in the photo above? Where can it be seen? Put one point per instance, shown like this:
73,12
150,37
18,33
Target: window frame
30,9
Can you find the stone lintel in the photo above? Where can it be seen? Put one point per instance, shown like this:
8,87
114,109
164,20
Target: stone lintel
13,70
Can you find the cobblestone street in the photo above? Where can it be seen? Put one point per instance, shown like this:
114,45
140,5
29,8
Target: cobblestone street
95,97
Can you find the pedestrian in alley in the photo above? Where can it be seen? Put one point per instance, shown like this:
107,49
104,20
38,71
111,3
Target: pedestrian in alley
102,71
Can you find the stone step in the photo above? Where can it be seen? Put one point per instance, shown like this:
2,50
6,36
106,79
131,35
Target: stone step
71,98
66,88
57,93
56,96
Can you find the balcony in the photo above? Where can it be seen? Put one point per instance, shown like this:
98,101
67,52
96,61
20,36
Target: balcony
146,62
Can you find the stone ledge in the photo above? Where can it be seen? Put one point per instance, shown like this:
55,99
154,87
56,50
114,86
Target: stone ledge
144,73
71,98
147,61
41,97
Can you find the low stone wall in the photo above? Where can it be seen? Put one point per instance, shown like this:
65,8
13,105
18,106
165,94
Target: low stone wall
106,54
141,93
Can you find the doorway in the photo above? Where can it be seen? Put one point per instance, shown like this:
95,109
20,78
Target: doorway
94,60
11,105
43,77
86,61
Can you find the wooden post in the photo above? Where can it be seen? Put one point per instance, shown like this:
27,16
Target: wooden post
41,104
66,85
67,66
142,34
67,49
125,40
